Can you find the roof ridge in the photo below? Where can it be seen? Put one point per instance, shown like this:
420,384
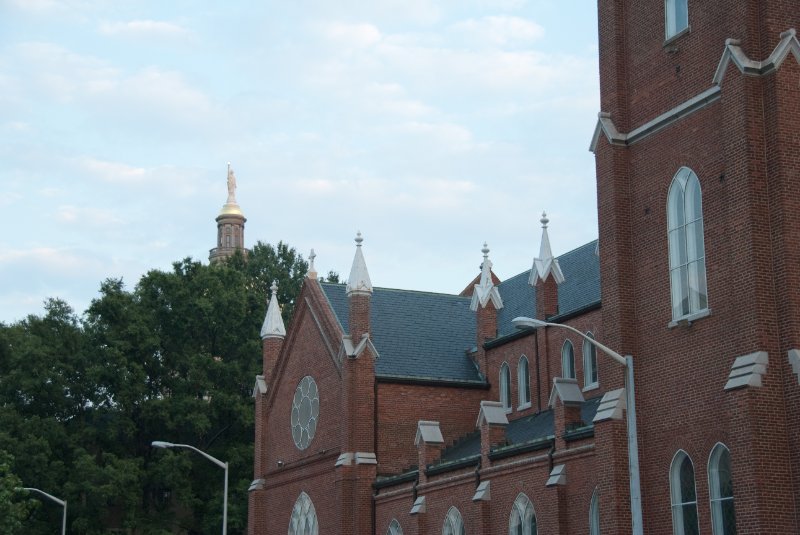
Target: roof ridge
384,288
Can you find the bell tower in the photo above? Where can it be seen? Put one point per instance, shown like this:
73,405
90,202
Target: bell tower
230,225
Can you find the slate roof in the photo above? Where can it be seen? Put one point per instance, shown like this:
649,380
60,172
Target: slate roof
581,288
420,335
520,431
425,335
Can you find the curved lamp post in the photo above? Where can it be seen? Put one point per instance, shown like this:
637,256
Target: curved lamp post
637,524
62,503
224,466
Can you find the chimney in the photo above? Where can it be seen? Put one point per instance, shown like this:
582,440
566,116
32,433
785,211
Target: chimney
492,422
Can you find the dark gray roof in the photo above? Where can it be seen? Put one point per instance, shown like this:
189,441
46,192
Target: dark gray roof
419,335
581,288
520,431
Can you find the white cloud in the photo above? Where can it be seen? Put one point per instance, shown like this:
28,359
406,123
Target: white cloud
499,30
143,29
351,35
87,216
50,259
114,171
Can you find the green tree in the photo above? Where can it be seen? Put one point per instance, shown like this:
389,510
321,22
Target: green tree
13,509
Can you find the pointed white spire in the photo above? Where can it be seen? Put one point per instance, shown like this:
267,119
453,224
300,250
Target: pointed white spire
545,264
359,282
312,271
485,289
273,322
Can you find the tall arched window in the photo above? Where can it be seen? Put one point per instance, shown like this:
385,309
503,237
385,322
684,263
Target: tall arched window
568,360
589,363
505,386
684,495
523,518
720,486
687,258
304,517
453,524
594,513
394,528
523,383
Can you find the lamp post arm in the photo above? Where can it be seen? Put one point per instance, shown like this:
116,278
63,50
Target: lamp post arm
204,454
605,349
62,503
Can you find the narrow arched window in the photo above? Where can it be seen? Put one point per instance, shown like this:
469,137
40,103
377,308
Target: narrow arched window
304,517
453,524
676,16
394,528
589,363
720,486
524,383
684,495
568,360
522,520
505,386
594,513
687,258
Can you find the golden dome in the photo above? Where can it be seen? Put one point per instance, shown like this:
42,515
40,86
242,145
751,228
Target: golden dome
231,209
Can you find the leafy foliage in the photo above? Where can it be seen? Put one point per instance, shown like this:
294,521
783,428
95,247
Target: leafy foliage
81,399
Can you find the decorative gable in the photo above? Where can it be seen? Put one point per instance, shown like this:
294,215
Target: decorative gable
567,390
485,290
545,264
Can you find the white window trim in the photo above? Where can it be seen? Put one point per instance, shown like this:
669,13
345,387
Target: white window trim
455,521
521,387
564,360
394,528
505,387
688,319
713,488
675,487
523,507
594,513
303,509
596,384
667,17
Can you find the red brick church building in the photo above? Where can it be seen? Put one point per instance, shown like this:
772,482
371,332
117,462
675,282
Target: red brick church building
384,411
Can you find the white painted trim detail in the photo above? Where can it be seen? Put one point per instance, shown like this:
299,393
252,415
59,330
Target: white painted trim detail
747,370
260,387
365,457
558,476
429,433
749,67
345,459
256,484
567,390
492,413
419,506
794,360
611,406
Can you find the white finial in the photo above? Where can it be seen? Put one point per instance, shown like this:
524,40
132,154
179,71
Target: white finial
485,289
359,282
273,322
545,264
312,272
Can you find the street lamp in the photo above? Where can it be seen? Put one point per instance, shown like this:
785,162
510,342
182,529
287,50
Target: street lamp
637,525
224,466
62,503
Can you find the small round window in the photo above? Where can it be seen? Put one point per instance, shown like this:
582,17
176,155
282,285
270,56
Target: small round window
305,412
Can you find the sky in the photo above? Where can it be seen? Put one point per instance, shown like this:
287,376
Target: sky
430,126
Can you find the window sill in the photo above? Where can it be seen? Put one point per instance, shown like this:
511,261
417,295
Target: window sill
688,319
593,386
524,406
508,410
672,38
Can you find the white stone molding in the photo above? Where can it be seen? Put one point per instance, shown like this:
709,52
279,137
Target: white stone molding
365,457
483,493
359,282
545,264
747,370
492,413
734,53
558,476
794,360
345,459
348,350
429,433
567,390
611,406
273,322
419,506
257,484
260,388
485,290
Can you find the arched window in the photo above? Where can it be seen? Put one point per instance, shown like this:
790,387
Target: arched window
505,386
589,363
684,495
594,513
394,528
720,486
523,518
687,258
568,360
676,16
524,383
304,517
453,524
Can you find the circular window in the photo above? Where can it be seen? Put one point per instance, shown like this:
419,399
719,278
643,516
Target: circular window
305,411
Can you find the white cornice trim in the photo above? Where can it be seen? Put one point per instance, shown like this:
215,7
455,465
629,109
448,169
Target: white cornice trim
732,52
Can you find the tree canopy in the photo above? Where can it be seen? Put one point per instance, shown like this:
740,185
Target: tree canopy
173,359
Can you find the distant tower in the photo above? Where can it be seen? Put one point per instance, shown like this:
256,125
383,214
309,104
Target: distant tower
230,225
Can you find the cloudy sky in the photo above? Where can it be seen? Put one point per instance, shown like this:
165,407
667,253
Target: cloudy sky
431,126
